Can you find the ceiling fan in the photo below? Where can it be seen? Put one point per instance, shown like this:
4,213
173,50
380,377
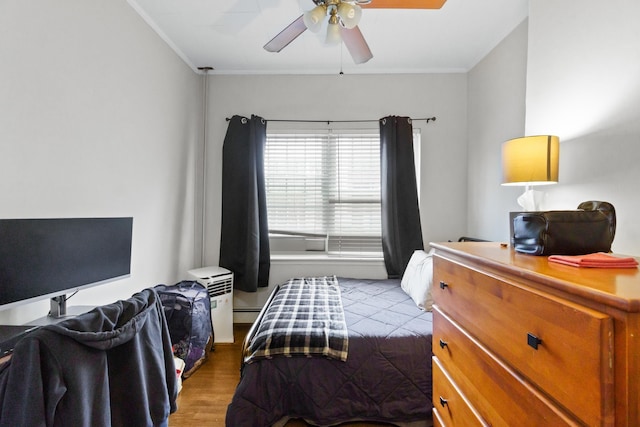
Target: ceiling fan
343,17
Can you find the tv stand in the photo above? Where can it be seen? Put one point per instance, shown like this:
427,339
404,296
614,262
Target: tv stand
58,306
69,312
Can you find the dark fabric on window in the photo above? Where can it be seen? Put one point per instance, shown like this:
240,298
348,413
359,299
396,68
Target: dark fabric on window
401,229
244,243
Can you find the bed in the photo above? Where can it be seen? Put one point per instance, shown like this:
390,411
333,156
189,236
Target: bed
386,376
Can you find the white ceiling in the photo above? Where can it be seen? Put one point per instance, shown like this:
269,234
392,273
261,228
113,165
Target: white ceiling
229,35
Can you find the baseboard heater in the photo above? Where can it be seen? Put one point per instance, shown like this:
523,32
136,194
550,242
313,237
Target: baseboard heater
247,310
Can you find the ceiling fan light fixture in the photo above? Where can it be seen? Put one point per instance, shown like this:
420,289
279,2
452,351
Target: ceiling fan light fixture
313,18
350,14
333,32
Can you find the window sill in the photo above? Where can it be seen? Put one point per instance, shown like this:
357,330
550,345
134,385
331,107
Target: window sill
298,258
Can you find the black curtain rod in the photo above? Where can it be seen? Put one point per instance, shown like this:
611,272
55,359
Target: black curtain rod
429,119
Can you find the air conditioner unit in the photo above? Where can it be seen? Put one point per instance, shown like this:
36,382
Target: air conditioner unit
219,284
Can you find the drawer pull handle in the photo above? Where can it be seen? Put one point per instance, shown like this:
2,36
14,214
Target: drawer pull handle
443,284
443,343
533,341
443,401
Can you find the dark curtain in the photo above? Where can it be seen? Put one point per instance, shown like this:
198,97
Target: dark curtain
401,229
244,243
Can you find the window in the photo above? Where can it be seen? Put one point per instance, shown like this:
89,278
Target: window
323,191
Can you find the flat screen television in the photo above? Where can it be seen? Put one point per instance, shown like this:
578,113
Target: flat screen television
52,257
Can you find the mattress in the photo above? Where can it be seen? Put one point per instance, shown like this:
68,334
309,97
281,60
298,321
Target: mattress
386,377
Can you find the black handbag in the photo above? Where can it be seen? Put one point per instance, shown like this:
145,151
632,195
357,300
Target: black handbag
591,228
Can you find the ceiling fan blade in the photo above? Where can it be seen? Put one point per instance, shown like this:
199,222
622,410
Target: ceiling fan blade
404,4
356,44
286,36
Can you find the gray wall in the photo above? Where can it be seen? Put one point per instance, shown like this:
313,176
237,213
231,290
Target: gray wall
99,117
497,87
351,97
580,80
583,84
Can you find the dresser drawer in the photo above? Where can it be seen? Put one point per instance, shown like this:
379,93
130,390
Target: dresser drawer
450,407
563,348
500,396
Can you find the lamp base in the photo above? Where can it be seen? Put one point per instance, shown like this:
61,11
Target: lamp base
530,200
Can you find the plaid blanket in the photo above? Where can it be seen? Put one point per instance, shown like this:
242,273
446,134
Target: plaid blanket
305,318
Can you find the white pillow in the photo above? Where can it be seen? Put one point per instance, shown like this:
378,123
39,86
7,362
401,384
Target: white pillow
418,277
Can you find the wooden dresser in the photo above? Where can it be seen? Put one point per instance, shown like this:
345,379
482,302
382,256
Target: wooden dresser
520,341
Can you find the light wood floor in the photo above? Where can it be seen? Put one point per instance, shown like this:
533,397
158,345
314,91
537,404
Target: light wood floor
205,395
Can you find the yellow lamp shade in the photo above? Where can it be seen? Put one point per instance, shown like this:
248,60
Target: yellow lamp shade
530,160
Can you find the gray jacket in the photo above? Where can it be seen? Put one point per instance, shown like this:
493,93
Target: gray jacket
112,366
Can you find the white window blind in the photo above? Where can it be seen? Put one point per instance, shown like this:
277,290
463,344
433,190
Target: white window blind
326,184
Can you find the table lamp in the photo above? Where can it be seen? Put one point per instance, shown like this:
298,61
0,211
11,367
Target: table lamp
529,161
